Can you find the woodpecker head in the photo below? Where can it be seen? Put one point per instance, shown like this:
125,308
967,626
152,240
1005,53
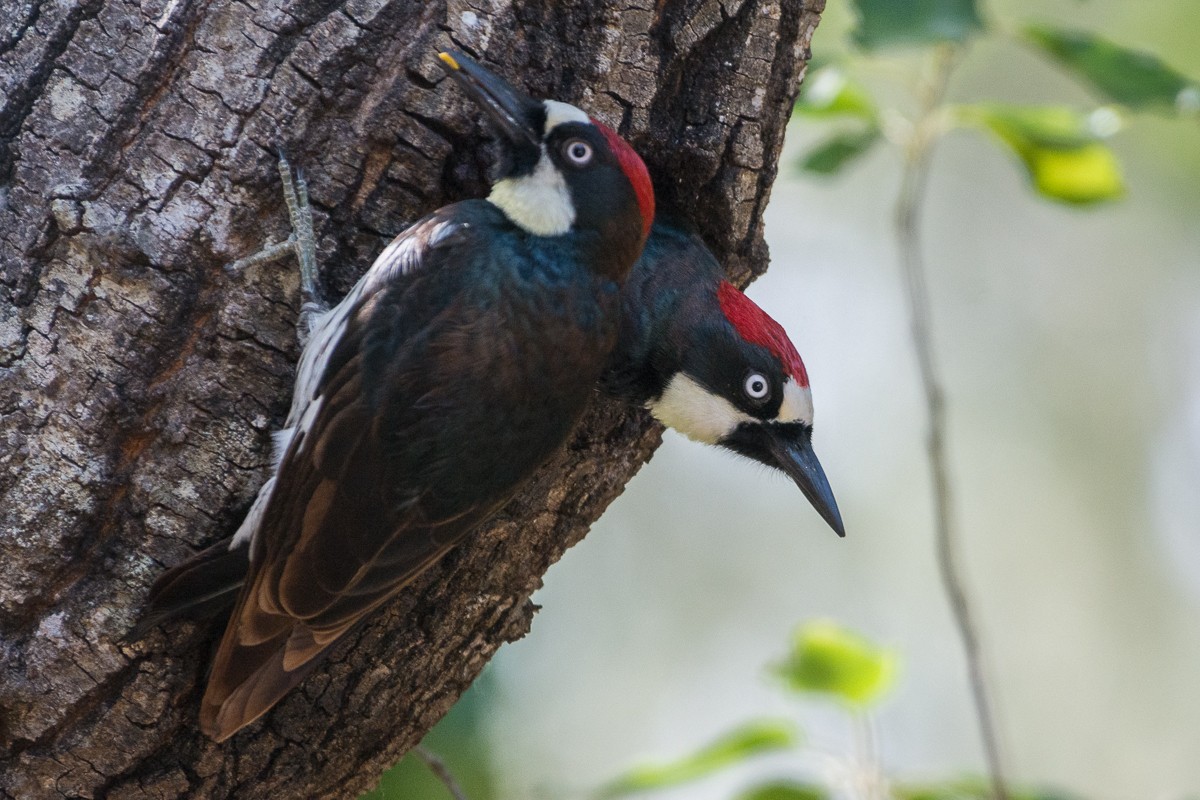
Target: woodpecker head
739,383
562,171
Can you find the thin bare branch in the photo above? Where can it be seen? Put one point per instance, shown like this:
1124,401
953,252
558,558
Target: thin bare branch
440,771
908,234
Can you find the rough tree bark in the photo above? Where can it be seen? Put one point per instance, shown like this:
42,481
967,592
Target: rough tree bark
139,379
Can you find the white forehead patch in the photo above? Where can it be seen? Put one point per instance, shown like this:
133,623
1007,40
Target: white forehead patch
557,113
696,412
797,403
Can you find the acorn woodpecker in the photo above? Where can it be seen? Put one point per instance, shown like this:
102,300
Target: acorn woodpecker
708,362
683,326
458,363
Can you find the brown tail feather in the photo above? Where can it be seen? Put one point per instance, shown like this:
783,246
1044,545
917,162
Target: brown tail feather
252,681
204,586
248,679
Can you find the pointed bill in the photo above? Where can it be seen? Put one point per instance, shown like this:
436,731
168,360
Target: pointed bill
793,453
519,117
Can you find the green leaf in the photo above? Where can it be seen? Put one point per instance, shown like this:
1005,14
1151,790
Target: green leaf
839,150
1082,176
886,23
1041,126
785,790
828,93
827,659
1060,148
1131,77
751,739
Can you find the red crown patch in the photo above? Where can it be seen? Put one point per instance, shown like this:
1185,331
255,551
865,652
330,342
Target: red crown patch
635,170
756,327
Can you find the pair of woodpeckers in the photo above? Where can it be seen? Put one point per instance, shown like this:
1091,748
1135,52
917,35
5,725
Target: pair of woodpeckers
456,366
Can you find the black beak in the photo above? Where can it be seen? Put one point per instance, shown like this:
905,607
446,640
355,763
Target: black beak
519,117
794,455
788,447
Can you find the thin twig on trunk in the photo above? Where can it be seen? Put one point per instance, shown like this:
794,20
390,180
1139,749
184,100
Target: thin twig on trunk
440,771
908,234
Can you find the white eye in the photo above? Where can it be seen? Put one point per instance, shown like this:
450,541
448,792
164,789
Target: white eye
578,152
756,386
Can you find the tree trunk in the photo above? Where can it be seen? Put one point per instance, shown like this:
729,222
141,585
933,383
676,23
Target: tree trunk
140,379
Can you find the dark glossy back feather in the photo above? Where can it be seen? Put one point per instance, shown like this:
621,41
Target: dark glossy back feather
448,384
669,298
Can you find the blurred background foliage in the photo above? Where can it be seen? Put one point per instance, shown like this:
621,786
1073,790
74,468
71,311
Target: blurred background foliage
1062,238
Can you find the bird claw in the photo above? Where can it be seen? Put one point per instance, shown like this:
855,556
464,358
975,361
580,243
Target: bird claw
301,243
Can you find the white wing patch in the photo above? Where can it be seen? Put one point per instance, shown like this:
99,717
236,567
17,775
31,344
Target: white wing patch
245,533
400,257
321,344
280,440
404,253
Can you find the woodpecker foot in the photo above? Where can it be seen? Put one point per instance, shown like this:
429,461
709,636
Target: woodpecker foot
301,243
